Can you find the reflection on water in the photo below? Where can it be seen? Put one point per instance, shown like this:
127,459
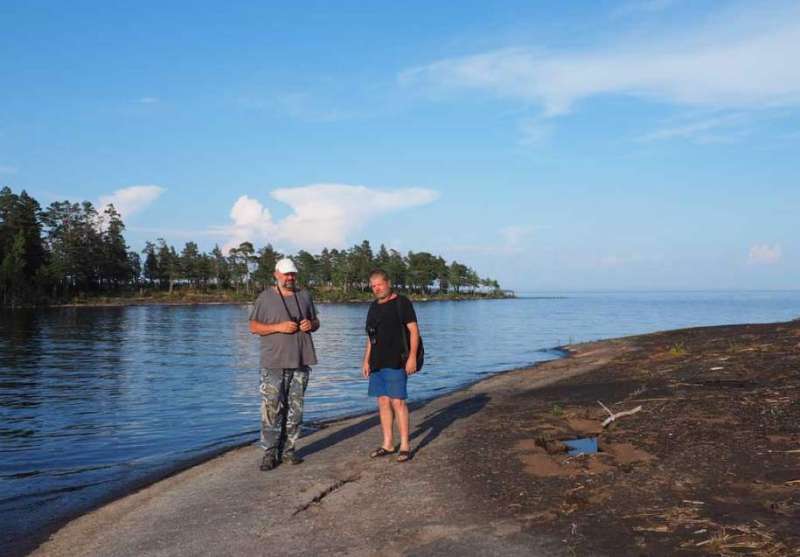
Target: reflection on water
93,401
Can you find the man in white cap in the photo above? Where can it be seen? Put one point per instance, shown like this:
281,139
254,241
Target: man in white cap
284,317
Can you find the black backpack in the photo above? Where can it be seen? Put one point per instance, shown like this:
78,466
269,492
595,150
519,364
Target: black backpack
407,348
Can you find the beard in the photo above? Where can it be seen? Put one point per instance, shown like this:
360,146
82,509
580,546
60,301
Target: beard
288,285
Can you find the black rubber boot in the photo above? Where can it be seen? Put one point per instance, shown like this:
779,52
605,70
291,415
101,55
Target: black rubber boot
269,461
291,457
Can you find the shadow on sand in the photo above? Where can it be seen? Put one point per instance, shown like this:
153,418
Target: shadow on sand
440,420
338,436
434,424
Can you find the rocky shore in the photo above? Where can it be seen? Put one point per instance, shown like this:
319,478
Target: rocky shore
710,465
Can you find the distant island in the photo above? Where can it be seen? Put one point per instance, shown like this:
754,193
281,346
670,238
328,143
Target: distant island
73,254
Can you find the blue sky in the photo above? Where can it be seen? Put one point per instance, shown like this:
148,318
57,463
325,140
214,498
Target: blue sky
645,144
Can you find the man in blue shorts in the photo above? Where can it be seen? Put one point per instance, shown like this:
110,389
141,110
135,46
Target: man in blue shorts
384,363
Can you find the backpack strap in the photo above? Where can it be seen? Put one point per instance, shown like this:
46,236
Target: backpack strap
403,330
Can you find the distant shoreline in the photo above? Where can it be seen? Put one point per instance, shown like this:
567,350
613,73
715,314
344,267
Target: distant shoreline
218,301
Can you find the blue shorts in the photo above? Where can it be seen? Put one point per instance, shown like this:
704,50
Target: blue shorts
388,382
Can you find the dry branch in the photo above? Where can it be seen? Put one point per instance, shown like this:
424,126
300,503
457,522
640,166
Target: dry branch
613,417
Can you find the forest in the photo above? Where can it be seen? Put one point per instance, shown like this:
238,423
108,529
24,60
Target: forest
76,253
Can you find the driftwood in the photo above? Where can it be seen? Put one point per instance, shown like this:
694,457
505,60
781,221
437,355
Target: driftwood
613,417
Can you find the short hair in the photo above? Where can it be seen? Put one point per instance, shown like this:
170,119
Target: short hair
378,272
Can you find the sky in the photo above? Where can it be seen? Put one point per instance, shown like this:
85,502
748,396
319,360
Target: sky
587,145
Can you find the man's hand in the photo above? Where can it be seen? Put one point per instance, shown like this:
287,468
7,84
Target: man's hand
365,369
411,365
306,325
287,327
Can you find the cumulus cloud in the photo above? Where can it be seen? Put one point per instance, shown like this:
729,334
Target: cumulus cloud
131,200
763,254
741,62
323,215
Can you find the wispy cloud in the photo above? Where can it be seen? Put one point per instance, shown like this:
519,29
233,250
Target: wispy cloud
5,169
323,215
148,100
723,128
301,106
131,200
511,240
516,235
161,232
764,254
534,132
305,107
614,261
743,61
642,7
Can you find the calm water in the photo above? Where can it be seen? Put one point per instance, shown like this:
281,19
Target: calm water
94,402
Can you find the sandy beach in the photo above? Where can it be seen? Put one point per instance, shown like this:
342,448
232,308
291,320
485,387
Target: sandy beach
709,465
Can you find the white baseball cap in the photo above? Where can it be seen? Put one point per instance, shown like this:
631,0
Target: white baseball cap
285,265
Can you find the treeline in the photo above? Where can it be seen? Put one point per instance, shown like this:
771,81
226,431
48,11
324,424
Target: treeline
72,250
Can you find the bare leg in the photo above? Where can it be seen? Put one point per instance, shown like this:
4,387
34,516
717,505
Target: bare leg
385,410
401,411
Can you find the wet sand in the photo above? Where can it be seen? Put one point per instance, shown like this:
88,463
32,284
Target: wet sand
710,465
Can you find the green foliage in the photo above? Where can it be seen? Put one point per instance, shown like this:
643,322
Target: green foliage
678,349
22,252
70,251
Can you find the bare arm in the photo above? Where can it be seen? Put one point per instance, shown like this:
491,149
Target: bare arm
365,364
263,329
413,341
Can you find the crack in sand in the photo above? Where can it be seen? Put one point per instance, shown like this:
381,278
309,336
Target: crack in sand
318,498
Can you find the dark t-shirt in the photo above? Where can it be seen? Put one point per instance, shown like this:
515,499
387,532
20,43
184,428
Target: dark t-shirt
384,320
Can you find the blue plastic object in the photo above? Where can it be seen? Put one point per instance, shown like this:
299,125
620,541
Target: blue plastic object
586,445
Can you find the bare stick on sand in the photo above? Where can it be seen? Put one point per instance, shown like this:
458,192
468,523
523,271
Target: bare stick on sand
612,417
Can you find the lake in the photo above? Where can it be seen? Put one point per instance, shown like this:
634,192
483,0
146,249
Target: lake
97,401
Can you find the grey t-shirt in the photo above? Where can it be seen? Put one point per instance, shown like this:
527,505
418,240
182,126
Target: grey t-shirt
280,350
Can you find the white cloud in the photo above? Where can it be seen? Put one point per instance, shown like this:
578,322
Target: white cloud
305,106
148,100
763,254
131,200
534,132
5,169
743,61
323,215
714,129
513,240
516,235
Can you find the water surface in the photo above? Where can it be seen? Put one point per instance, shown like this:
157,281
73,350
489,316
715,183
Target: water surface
94,401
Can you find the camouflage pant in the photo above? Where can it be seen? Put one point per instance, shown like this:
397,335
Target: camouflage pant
282,392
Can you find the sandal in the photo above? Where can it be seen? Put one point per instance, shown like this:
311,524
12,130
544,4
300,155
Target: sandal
403,456
380,451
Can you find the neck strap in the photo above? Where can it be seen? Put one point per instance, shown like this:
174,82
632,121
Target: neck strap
296,301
